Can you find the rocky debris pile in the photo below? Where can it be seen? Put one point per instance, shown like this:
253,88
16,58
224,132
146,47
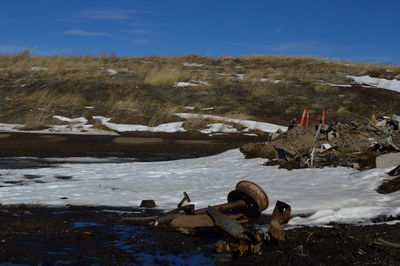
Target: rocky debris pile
355,144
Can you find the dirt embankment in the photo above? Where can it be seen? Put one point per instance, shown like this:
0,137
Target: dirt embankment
354,145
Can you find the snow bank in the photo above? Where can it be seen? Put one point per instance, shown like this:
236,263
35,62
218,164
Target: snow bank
266,127
168,127
77,129
219,127
332,194
71,120
388,84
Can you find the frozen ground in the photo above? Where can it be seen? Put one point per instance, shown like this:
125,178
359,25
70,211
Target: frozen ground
330,194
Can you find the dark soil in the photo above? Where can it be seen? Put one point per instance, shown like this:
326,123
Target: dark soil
140,145
88,235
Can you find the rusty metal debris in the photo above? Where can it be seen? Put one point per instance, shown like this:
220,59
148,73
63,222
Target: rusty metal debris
352,144
280,217
244,204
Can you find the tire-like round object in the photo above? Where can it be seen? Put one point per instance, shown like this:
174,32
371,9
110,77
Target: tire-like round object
254,196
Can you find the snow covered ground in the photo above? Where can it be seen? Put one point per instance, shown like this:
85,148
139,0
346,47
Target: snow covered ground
388,84
76,127
79,126
266,127
168,127
330,194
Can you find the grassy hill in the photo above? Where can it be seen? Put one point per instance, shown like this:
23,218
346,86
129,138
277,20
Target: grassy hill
149,90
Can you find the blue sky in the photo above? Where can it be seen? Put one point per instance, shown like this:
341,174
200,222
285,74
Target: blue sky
353,29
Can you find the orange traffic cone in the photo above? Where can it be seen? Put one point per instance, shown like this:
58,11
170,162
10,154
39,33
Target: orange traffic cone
303,116
308,117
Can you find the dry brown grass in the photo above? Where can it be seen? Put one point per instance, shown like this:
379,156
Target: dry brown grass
143,90
166,76
193,124
325,89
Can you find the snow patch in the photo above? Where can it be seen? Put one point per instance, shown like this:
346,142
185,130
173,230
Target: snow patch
167,128
219,127
193,83
239,76
71,120
345,215
329,194
111,71
38,68
388,84
253,125
185,84
340,85
193,65
270,80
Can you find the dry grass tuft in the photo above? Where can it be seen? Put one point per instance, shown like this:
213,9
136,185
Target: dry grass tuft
194,124
166,76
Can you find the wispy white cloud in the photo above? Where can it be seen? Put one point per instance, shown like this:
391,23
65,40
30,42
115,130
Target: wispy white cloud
141,41
108,14
140,32
85,33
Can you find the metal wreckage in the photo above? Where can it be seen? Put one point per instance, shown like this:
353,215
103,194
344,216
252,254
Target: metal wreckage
244,205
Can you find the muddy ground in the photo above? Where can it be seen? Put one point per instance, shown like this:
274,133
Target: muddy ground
88,235
148,145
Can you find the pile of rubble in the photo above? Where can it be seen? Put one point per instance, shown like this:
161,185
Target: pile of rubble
354,144
244,205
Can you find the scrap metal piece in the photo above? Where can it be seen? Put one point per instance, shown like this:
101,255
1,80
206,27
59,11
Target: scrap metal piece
248,198
185,199
201,220
253,195
280,217
395,171
245,241
227,225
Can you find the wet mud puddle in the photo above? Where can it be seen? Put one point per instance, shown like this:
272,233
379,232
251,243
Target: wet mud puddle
92,236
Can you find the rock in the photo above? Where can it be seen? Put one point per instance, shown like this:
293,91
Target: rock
148,204
388,160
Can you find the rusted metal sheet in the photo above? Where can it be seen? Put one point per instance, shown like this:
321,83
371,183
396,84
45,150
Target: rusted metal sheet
280,217
225,224
201,220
